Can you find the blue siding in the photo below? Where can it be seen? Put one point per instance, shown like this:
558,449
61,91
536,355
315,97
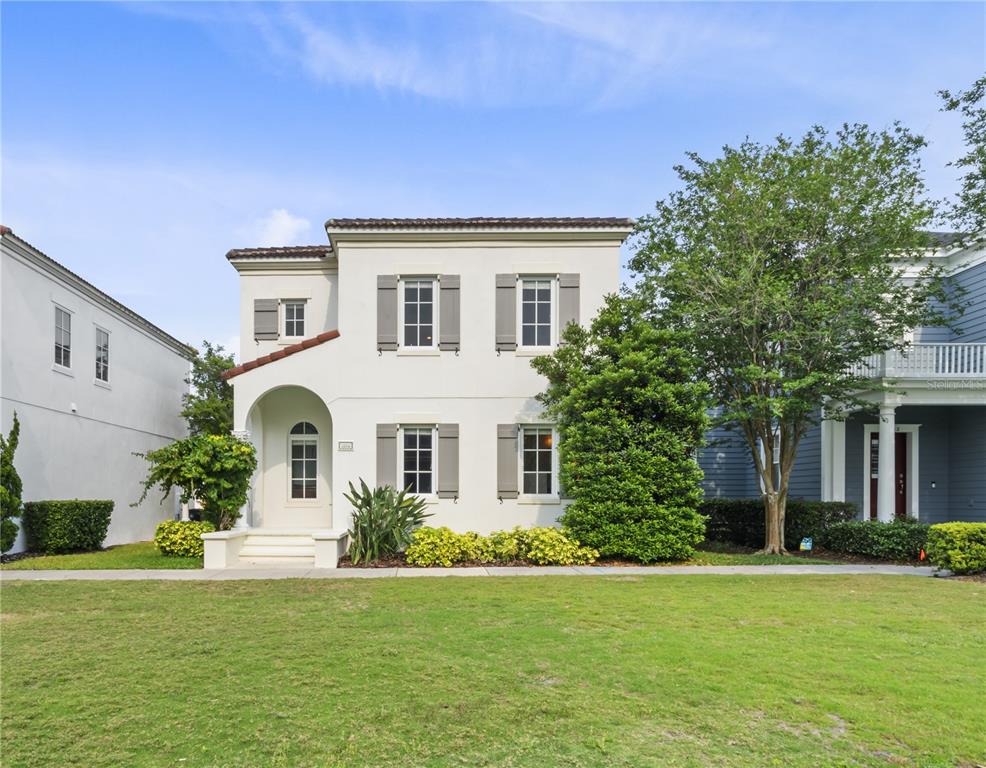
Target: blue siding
973,321
728,467
967,459
806,476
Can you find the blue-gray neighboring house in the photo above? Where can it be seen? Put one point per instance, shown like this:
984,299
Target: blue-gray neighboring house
924,455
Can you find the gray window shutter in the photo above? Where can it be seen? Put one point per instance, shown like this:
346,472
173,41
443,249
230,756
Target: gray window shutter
448,461
448,323
506,312
387,455
506,461
387,312
264,319
568,301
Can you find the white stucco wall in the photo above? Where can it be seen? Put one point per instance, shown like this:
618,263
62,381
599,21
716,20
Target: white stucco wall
476,389
78,437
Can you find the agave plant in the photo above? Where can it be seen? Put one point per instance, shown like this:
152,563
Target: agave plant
383,521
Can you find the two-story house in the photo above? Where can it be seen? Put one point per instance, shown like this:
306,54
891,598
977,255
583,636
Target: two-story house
922,452
92,383
399,353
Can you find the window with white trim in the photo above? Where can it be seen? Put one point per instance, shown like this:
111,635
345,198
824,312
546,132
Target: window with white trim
304,460
102,355
536,314
538,476
418,459
63,338
294,318
418,312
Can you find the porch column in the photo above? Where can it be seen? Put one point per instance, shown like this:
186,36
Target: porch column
886,467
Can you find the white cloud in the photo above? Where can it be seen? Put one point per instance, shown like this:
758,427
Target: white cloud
279,227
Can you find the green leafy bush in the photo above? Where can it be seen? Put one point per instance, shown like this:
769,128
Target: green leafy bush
959,547
741,521
631,415
383,521
10,487
898,540
55,527
215,469
539,546
182,538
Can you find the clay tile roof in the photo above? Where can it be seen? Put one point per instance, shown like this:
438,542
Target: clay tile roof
483,222
285,252
278,354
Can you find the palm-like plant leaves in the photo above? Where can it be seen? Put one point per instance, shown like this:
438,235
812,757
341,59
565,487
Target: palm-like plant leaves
383,521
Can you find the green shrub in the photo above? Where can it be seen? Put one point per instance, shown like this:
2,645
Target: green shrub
443,547
741,521
55,527
182,538
631,413
959,547
898,540
539,546
10,487
383,521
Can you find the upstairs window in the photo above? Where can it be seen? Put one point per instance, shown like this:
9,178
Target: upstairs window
102,355
417,444
418,307
63,338
535,312
294,318
304,460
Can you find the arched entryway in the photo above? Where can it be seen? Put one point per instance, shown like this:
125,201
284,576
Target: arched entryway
292,430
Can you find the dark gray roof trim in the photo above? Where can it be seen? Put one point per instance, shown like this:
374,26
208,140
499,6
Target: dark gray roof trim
183,349
944,239
286,252
484,222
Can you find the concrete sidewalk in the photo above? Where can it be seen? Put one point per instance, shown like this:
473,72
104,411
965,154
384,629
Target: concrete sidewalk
235,574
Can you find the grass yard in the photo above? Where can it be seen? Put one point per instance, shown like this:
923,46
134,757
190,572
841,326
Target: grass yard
140,555
547,671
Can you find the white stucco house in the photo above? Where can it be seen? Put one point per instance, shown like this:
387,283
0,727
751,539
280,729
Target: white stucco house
921,452
92,383
399,352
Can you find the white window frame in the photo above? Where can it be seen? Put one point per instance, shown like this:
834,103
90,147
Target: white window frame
433,428
303,440
401,283
556,491
96,380
284,318
71,352
552,280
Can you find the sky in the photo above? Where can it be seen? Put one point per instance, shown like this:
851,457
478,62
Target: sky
141,141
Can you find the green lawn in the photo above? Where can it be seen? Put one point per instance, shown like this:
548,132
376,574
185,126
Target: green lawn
548,671
140,555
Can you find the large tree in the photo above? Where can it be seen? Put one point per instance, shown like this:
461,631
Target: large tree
208,407
968,211
783,262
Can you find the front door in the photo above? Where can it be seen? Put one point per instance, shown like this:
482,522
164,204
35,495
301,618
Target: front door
900,474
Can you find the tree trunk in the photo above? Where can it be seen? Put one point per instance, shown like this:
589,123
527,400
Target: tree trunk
774,518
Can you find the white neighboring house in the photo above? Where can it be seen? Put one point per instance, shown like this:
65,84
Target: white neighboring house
92,382
400,353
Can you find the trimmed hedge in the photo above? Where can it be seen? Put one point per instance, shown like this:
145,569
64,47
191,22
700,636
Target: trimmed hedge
539,546
741,521
56,527
182,538
898,540
959,547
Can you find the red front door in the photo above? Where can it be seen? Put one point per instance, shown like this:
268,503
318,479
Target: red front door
900,474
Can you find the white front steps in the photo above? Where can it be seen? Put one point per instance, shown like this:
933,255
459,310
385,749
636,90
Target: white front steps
274,547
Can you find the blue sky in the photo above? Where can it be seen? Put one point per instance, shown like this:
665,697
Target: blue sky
141,141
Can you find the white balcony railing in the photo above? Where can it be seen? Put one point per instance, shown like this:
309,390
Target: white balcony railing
922,361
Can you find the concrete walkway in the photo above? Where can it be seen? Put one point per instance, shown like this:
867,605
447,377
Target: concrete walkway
235,574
